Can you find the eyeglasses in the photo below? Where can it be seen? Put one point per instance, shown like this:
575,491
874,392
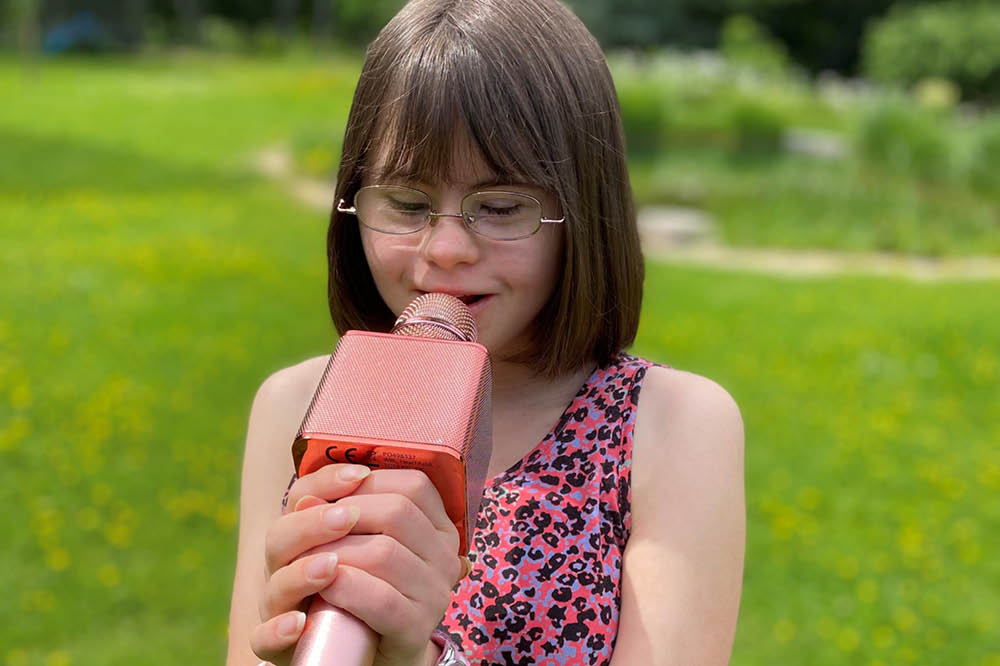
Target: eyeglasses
495,214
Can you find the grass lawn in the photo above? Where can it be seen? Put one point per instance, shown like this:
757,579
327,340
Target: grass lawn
152,280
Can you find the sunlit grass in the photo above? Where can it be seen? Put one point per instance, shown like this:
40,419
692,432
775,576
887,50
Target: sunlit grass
151,280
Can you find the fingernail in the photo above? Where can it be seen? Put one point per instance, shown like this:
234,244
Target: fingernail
341,517
353,473
290,626
307,501
321,567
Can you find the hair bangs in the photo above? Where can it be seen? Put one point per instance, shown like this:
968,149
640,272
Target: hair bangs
447,105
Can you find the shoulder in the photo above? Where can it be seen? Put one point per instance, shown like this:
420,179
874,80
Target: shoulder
689,433
278,408
675,399
286,394
683,564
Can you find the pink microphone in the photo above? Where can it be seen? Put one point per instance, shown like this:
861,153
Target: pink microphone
418,398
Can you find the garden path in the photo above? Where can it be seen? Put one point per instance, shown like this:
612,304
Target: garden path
684,236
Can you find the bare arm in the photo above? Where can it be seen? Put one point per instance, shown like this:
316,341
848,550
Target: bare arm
683,566
277,410
392,564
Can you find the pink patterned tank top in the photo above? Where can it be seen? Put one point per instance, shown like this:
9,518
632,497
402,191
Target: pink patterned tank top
545,586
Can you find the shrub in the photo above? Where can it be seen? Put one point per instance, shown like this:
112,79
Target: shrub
644,116
756,128
958,41
984,168
905,138
746,42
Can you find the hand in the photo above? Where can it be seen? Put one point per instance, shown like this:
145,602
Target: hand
385,552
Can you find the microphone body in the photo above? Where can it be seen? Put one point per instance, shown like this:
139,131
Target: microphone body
415,399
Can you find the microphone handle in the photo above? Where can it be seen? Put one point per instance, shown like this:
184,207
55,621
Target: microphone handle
355,641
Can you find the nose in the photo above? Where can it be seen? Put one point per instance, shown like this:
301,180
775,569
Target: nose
448,243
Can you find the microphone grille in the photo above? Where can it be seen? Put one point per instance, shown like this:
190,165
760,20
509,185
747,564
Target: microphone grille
439,316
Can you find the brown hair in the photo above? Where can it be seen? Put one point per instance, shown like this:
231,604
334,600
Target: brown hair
528,84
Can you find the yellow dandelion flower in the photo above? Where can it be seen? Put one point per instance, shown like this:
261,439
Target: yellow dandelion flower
984,368
20,396
118,535
911,540
108,575
57,658
904,618
848,639
847,567
15,431
57,559
970,552
809,498
784,630
16,657
883,636
225,516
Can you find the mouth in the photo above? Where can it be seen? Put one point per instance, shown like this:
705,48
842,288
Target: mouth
473,301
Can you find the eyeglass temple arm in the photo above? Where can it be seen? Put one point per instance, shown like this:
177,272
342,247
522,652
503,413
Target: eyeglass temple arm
547,221
343,208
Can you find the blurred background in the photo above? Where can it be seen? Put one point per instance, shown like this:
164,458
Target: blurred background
819,186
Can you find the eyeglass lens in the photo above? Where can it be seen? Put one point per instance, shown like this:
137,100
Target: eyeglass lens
401,210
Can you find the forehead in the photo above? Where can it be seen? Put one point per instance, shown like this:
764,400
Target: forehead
456,160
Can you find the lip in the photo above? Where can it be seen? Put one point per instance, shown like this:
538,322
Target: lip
476,307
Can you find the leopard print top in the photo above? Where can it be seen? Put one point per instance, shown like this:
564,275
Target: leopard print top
545,586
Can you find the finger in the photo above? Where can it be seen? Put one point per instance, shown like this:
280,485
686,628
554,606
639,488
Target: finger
413,484
329,483
385,558
398,517
291,584
382,607
466,568
307,502
272,639
298,531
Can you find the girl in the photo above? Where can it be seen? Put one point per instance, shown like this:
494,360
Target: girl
612,527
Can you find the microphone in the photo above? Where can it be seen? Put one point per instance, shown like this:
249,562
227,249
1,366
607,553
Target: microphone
415,398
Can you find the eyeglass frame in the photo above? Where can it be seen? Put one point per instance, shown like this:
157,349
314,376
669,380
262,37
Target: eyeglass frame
353,210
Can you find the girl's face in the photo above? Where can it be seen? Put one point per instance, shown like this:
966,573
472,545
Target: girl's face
505,283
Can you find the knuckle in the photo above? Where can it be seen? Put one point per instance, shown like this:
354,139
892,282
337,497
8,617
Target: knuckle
384,549
388,603
416,483
402,510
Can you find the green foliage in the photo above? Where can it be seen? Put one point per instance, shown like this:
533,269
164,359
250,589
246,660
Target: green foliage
900,136
358,21
220,34
757,129
746,42
984,163
952,40
645,116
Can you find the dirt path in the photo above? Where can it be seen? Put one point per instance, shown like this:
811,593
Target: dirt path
683,236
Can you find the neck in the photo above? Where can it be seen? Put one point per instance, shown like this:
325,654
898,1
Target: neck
517,386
